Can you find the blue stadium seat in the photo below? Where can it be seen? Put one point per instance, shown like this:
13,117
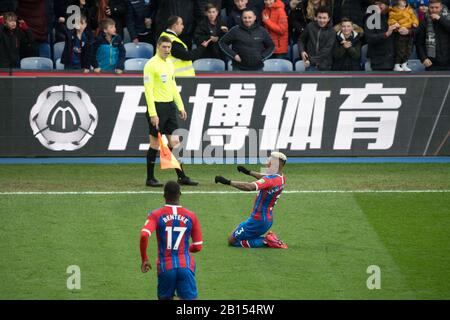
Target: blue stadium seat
295,53
140,50
58,64
36,63
300,66
415,65
58,48
135,64
44,50
280,65
209,65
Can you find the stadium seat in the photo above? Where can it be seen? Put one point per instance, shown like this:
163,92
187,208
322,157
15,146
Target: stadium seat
209,65
415,65
44,50
59,65
295,53
280,65
140,50
135,64
36,63
300,66
58,48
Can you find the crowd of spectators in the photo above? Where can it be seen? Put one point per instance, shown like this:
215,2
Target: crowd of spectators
329,34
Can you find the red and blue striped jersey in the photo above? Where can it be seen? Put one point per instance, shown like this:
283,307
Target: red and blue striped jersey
269,190
174,227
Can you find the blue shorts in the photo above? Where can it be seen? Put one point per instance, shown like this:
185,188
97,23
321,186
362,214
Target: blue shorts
179,280
251,229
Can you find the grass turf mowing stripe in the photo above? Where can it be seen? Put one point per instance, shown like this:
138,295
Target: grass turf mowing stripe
210,192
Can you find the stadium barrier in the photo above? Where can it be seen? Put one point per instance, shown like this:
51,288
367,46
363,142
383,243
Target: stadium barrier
232,116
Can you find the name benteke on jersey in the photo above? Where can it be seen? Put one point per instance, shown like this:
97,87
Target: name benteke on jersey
175,217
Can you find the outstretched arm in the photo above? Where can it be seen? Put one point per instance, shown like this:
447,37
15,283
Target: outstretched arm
254,174
244,186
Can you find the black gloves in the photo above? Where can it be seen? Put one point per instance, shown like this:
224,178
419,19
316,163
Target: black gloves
243,169
222,180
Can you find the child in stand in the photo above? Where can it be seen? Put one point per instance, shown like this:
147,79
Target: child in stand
211,27
109,49
77,48
16,41
402,16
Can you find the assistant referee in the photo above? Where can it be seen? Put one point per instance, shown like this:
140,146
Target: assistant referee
163,104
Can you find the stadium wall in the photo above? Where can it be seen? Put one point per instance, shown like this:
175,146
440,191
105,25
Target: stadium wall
240,115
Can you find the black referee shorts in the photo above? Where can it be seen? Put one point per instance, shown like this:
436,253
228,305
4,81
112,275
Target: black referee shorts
167,114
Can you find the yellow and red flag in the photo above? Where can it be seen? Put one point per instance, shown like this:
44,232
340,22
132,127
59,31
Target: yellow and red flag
166,158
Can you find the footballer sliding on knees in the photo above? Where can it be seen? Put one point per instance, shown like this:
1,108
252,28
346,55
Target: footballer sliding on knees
252,232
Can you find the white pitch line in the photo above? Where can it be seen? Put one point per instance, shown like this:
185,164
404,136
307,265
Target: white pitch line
211,192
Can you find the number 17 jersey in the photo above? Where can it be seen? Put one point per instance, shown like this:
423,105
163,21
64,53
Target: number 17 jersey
174,226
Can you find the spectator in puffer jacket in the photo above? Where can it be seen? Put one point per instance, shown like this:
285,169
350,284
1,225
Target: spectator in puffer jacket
108,49
404,17
251,44
275,20
347,49
139,20
15,41
317,42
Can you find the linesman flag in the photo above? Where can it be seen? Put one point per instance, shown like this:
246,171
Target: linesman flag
166,158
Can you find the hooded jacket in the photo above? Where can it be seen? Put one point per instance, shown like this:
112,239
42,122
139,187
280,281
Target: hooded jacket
277,26
253,45
404,17
347,59
318,43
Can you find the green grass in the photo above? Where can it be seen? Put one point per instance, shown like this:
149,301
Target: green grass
332,238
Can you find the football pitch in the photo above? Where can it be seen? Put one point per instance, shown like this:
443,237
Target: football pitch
337,219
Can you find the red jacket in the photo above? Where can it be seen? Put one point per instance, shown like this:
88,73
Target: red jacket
277,25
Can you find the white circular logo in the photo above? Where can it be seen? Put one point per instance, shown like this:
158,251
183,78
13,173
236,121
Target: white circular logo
63,118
